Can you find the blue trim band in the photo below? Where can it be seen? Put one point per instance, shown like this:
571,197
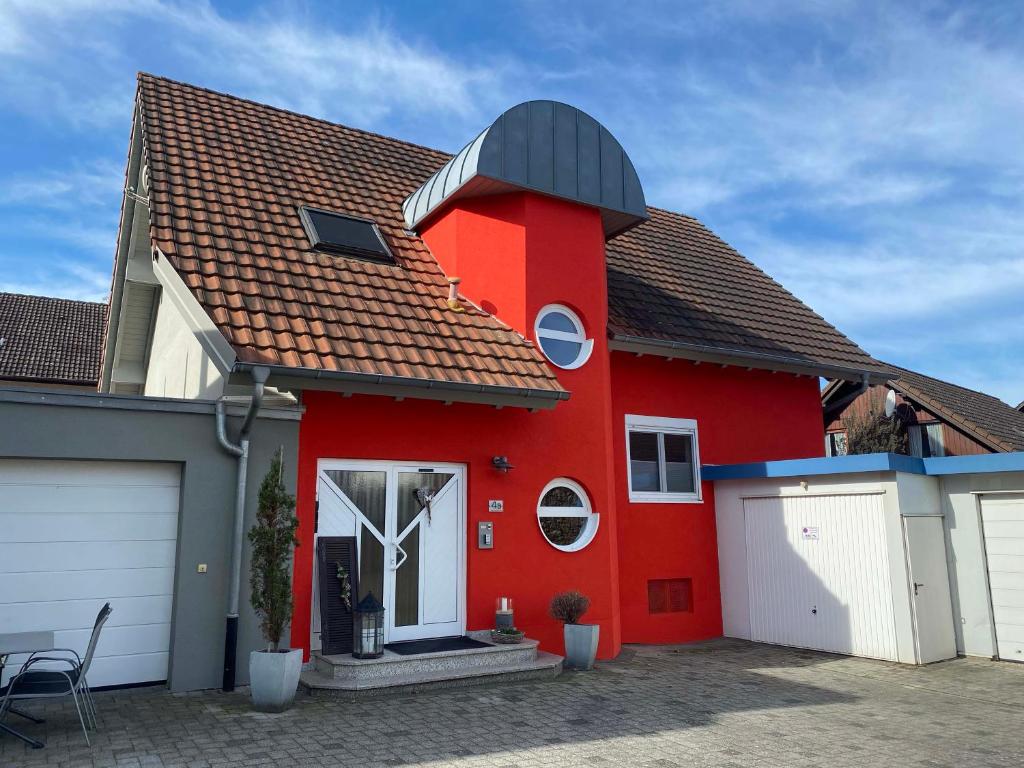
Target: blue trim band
869,462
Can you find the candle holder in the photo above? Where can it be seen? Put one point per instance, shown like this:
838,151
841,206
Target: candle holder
503,613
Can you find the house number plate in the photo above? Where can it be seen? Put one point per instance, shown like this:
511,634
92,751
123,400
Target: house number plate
496,505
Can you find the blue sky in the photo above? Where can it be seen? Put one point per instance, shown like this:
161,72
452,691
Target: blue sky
869,156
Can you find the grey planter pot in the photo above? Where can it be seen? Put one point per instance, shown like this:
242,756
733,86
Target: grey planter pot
274,678
581,645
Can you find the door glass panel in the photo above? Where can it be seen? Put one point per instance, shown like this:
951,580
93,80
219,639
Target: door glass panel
407,581
679,463
371,565
413,487
366,491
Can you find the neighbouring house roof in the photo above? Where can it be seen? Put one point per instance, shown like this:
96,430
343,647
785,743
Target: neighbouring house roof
986,418
47,340
227,177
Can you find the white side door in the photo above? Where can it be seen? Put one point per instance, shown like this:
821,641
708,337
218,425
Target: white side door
1003,523
925,543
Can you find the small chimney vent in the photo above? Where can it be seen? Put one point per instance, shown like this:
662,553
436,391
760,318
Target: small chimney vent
453,295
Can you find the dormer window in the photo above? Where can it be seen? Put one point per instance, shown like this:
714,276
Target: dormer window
345,235
561,336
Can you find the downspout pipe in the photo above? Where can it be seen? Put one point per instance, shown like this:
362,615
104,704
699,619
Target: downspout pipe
241,453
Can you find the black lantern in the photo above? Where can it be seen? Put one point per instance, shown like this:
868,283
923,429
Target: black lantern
368,618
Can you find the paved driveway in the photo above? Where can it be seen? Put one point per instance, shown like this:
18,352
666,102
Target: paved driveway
724,703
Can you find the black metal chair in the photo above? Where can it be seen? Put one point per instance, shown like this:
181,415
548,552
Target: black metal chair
31,684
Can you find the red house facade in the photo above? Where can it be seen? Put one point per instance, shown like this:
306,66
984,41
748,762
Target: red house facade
512,369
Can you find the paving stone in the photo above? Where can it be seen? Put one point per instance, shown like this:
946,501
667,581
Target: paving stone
717,704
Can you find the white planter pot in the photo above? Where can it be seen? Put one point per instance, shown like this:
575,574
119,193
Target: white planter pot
274,678
581,645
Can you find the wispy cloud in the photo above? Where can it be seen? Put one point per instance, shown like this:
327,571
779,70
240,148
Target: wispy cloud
50,274
277,54
67,67
365,75
867,154
96,183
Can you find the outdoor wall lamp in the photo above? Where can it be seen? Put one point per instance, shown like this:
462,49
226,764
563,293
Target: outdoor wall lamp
501,463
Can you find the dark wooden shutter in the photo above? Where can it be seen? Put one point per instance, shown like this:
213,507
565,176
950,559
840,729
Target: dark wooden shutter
335,616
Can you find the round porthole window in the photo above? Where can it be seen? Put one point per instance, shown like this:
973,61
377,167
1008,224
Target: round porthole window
566,518
561,336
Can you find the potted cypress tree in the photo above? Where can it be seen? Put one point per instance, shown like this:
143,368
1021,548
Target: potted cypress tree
274,671
580,639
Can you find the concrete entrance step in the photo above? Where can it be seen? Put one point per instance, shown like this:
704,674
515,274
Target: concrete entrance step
395,665
492,662
544,666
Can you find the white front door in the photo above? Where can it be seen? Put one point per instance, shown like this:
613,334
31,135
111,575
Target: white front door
409,521
925,539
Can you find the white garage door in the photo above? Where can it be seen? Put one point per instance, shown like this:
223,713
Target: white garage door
1003,520
818,574
75,534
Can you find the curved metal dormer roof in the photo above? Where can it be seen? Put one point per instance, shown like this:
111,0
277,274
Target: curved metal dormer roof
546,147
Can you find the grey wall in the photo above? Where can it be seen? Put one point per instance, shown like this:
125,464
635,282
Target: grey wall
59,425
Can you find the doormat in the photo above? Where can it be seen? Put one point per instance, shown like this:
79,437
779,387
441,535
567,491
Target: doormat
436,645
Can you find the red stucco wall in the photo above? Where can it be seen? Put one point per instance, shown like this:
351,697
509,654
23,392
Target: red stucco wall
515,253
741,416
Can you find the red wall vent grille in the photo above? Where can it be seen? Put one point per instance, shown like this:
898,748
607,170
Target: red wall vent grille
670,596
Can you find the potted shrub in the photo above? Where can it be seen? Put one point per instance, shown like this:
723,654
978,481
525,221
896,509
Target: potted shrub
580,639
274,671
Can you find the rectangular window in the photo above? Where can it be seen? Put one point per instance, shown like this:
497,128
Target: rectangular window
835,444
663,459
933,434
916,446
344,235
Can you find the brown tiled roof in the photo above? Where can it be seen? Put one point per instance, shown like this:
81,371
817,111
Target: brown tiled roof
226,179
988,418
57,341
672,279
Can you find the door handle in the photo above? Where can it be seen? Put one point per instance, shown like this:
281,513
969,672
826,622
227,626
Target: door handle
396,565
916,585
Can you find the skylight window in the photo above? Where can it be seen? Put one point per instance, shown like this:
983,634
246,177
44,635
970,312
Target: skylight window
345,235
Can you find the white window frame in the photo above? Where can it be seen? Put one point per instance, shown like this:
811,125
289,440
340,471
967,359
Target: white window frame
663,425
580,337
587,510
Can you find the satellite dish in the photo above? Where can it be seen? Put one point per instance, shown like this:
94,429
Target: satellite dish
890,403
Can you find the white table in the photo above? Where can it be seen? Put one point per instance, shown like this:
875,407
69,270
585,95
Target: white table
23,642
